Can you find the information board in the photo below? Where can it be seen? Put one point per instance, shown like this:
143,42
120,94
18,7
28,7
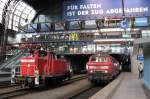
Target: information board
140,57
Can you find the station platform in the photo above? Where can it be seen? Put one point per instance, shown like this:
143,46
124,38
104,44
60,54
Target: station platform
127,86
130,88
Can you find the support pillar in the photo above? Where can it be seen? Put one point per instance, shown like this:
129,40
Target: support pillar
134,62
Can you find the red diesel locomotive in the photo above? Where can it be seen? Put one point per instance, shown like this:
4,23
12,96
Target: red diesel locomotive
102,68
39,67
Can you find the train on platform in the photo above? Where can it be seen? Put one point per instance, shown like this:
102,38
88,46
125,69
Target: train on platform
102,68
40,67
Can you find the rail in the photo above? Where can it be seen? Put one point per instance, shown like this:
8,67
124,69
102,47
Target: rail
16,91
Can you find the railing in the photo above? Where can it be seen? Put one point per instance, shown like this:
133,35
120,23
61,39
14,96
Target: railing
9,63
13,53
146,34
92,51
33,40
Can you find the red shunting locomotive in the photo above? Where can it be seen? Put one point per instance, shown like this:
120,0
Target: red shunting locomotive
40,67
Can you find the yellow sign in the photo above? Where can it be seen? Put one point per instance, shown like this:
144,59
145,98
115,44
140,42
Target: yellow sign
74,36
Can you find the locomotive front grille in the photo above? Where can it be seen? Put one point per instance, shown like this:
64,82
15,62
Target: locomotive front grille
99,72
102,67
100,75
20,79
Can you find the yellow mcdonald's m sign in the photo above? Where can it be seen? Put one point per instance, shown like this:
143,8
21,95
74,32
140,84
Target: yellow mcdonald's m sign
74,36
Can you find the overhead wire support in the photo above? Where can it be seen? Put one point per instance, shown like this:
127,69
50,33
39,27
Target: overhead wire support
7,10
123,12
4,37
124,19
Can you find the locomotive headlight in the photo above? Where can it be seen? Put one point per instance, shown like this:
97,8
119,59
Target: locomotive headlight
106,71
36,72
86,67
91,71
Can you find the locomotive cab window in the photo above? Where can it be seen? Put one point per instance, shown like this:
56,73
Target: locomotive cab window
93,58
102,59
55,56
42,53
27,54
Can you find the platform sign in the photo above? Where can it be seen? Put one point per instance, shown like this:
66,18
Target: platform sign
100,9
141,21
140,57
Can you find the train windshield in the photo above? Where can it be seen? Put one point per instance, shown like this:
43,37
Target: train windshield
100,59
27,54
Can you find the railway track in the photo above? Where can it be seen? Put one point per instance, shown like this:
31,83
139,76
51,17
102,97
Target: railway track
74,79
14,91
5,84
87,93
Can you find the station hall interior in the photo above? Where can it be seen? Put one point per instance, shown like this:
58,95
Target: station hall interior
76,30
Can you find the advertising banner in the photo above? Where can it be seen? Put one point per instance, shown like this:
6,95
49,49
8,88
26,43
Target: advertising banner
99,9
137,8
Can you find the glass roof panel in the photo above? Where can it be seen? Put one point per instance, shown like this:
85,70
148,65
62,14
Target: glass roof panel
27,11
4,0
23,4
24,15
2,4
20,8
20,13
16,18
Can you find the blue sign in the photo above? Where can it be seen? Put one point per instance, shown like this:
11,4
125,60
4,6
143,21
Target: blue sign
140,57
124,24
141,22
99,9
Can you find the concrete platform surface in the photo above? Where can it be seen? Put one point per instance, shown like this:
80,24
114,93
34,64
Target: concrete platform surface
130,88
